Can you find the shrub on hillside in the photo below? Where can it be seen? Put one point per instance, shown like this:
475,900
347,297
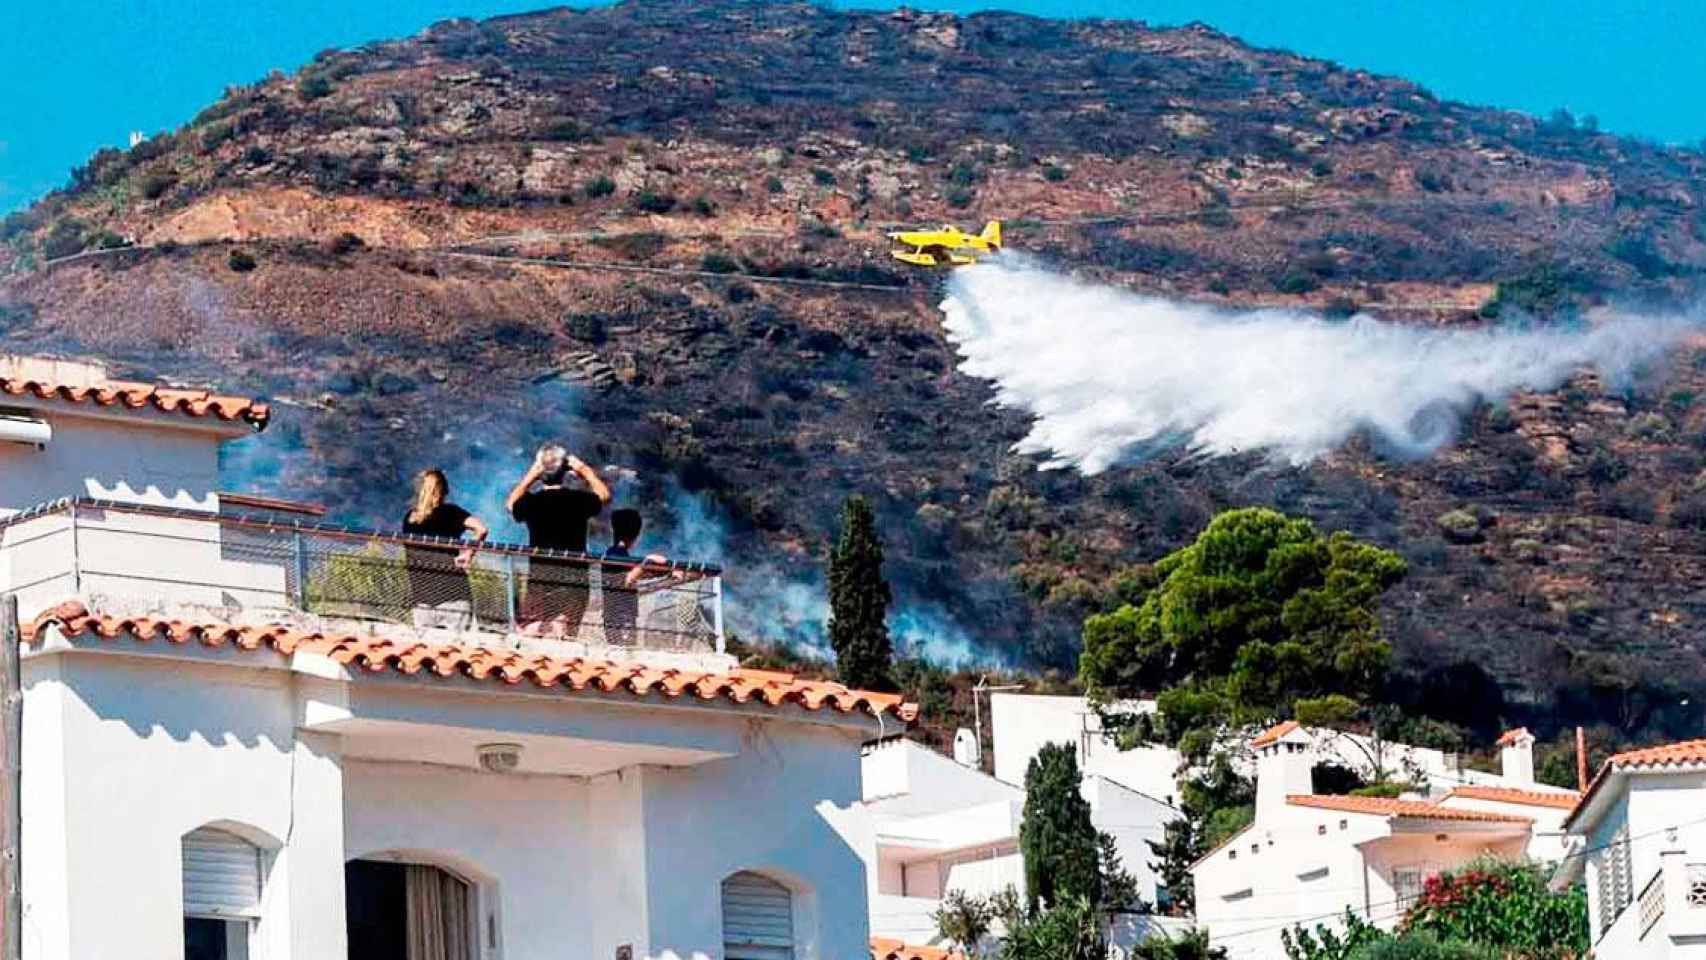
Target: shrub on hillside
315,86
240,261
650,201
63,239
599,186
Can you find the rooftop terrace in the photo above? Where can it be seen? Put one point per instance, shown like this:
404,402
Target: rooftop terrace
252,567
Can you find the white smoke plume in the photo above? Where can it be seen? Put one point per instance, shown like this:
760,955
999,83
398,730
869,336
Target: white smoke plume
1112,376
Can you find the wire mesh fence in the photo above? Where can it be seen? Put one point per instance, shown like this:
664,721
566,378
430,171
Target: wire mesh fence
167,556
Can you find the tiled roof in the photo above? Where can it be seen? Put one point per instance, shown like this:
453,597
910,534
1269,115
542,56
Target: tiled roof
1274,733
509,667
1530,798
136,396
1390,807
1511,736
1684,753
883,948
1670,754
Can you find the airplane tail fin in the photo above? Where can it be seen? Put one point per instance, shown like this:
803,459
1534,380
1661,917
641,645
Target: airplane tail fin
992,233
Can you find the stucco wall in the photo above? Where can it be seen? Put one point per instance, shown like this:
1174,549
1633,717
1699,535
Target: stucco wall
1653,804
753,812
1023,723
146,755
133,461
1133,819
126,754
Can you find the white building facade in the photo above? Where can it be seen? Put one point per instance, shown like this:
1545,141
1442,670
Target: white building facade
1640,833
1307,858
226,759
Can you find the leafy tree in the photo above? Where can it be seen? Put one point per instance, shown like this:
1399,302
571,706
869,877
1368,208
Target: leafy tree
965,920
1503,905
1070,930
859,601
1329,942
1260,612
1420,946
1191,945
1059,843
1217,802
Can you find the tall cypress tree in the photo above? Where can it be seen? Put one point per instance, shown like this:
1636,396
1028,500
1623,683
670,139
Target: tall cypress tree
1056,836
859,601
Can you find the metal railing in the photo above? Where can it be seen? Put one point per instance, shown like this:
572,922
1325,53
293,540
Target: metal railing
167,558
1651,902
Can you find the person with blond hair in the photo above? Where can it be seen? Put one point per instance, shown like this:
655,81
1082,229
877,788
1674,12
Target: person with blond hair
439,592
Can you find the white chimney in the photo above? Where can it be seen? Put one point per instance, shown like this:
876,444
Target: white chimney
1284,767
967,751
1516,756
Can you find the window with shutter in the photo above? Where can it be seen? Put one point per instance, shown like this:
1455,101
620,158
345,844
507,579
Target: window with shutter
222,876
758,918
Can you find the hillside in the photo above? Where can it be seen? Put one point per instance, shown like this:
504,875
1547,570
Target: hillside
386,243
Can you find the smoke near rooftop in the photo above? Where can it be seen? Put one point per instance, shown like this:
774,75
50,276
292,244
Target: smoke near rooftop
1112,376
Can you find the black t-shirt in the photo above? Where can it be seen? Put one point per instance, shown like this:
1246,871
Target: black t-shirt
556,518
445,520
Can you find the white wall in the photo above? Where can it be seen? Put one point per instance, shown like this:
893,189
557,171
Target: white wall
776,809
1306,865
146,755
125,754
1132,819
1546,844
1653,804
132,460
1023,723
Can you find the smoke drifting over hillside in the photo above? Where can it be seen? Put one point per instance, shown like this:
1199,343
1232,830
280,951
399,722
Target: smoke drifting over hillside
1113,376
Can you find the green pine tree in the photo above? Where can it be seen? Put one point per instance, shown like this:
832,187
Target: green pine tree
1056,837
859,601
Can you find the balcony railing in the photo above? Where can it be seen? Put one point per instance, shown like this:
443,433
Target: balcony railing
1652,902
144,558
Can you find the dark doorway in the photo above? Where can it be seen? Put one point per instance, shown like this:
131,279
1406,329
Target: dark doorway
376,910
407,911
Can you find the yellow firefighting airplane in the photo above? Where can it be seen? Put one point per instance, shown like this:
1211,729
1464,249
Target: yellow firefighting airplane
947,247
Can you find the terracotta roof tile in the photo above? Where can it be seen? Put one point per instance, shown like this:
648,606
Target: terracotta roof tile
882,948
1274,733
512,667
136,396
1529,798
1665,755
1679,754
1391,807
1511,736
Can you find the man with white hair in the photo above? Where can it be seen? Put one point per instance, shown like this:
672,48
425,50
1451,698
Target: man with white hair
556,516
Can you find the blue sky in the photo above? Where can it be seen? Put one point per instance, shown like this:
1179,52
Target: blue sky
79,74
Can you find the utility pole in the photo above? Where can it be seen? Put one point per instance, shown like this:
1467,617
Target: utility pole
11,794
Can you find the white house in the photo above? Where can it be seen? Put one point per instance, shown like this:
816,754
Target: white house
929,825
1641,835
1131,792
237,744
1306,858
1023,723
